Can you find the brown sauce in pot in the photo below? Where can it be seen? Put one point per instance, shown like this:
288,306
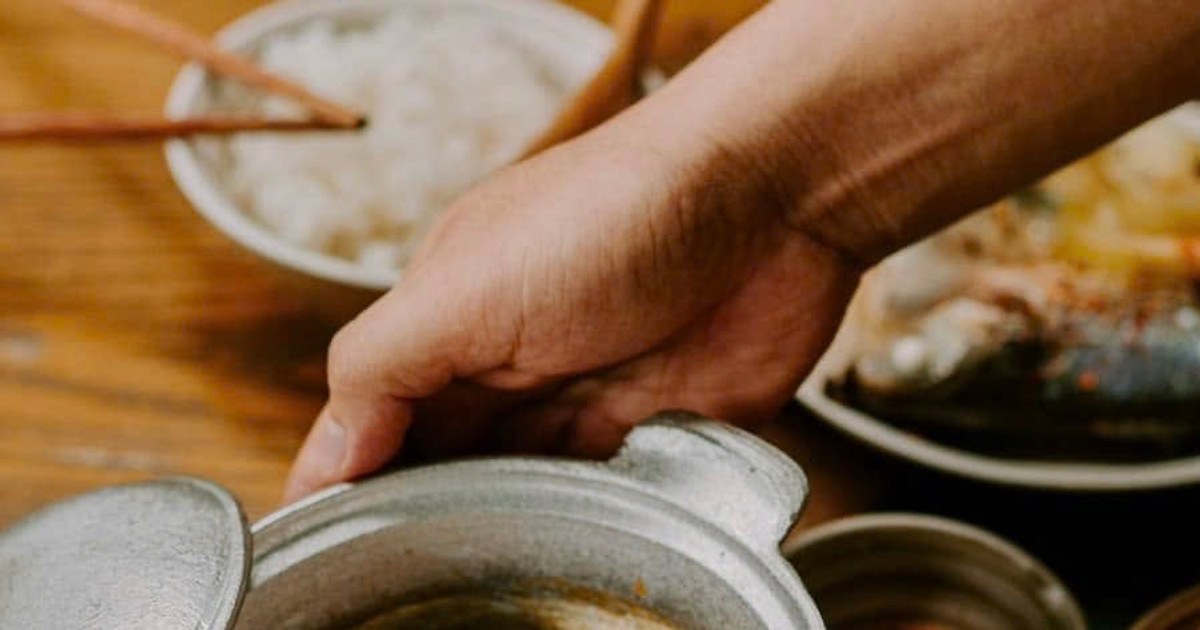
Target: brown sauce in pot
519,611
898,625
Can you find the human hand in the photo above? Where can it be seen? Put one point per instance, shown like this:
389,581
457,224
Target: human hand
573,295
698,250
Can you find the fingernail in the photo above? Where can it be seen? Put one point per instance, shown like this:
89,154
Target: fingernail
320,460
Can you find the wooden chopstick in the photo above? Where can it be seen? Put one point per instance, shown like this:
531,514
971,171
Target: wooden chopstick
180,40
88,126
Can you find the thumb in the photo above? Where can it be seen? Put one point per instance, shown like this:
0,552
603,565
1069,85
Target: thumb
395,352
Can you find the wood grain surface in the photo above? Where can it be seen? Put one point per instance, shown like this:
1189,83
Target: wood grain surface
135,340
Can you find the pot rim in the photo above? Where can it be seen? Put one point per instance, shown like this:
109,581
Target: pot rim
1053,592
1180,607
554,481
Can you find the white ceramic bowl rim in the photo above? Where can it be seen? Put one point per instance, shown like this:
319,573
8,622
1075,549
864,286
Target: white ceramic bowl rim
581,35
1047,475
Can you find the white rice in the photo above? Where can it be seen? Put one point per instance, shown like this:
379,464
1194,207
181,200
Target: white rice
450,97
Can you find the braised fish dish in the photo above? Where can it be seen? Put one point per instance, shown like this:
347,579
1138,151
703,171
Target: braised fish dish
1062,322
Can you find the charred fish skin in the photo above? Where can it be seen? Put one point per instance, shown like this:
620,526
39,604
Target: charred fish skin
1124,358
1158,364
1115,387
1076,373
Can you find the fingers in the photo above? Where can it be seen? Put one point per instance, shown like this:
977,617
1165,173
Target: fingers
591,417
331,453
740,363
395,352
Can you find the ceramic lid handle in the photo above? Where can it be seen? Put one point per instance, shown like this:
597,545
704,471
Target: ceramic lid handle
723,474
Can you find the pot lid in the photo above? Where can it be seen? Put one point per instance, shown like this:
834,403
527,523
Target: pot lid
170,555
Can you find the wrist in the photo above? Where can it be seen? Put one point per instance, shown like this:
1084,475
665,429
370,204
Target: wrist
866,147
735,116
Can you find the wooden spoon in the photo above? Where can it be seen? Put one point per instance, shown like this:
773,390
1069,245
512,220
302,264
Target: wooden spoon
618,84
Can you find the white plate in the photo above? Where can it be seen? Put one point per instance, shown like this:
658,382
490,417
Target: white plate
1045,475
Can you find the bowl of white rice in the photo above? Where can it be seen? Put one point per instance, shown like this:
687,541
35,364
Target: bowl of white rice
452,89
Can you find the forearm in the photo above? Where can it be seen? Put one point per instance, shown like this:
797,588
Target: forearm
874,122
